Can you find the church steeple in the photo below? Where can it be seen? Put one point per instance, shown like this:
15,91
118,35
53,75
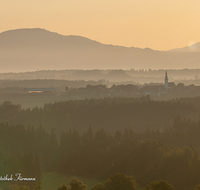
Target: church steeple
166,75
166,81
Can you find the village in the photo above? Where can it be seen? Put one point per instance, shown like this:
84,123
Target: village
167,90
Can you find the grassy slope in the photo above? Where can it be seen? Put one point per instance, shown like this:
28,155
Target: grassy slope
51,181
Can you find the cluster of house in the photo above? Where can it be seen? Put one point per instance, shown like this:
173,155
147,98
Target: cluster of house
159,89
171,89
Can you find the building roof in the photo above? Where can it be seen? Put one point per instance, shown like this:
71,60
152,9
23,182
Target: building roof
40,89
171,84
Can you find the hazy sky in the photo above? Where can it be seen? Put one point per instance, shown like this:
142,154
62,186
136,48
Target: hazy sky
157,24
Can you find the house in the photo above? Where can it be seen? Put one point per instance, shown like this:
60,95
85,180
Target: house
171,85
39,90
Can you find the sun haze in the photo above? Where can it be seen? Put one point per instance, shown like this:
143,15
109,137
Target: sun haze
156,24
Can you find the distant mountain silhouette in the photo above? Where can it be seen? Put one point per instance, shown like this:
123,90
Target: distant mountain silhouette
37,38
32,49
193,48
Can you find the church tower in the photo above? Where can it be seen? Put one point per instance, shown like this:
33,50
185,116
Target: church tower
166,81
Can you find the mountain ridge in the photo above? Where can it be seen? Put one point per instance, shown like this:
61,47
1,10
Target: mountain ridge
32,49
192,48
48,35
11,37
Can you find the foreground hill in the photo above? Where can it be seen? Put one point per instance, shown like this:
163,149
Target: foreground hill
32,49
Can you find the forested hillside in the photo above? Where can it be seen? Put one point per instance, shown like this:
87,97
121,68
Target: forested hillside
110,114
150,140
151,155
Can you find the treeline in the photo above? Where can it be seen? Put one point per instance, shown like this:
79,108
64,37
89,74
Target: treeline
138,154
176,73
110,113
148,156
80,78
18,154
53,74
59,85
117,181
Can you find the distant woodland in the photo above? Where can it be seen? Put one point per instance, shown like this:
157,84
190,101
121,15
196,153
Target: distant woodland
140,76
59,79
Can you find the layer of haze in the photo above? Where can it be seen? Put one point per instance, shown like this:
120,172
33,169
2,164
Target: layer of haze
156,24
